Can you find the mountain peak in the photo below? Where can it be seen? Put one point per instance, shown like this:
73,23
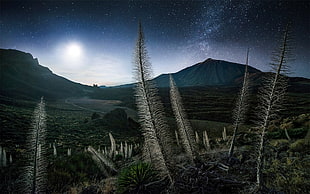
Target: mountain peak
210,72
208,60
13,56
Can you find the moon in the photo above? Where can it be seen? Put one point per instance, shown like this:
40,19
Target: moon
74,50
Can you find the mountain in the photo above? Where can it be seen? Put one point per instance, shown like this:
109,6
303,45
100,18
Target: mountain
21,76
208,73
221,73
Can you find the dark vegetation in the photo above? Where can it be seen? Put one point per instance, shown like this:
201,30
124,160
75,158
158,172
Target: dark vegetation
67,127
137,177
216,103
74,170
64,123
72,127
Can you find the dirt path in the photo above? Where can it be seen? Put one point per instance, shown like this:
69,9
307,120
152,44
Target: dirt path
83,108
100,106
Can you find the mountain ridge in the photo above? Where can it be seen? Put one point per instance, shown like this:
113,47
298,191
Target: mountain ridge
210,72
21,75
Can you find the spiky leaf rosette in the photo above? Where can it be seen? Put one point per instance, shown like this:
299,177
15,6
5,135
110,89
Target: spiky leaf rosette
34,177
157,139
185,130
271,96
137,178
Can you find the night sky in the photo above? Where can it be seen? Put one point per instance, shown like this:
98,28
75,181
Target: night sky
92,42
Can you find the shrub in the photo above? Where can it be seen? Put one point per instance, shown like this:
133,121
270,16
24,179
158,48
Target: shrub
289,175
136,178
280,143
303,119
298,132
299,146
59,181
293,133
95,116
118,157
69,171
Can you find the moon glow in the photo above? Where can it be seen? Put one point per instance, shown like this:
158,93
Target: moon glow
73,50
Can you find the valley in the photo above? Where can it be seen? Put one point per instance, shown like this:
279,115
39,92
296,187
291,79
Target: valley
77,123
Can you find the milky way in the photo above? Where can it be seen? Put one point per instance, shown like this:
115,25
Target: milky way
178,34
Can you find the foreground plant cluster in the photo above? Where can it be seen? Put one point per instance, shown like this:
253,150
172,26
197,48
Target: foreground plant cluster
271,156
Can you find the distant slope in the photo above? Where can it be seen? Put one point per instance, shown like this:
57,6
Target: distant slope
208,73
21,76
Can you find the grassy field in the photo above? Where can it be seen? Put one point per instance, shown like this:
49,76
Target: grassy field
70,122
214,103
74,124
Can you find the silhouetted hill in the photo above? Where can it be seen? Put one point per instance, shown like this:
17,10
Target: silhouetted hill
21,76
208,73
218,73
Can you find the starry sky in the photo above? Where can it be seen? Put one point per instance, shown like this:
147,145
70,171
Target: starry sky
92,42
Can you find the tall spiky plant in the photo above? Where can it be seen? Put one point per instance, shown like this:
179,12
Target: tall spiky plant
113,145
34,179
197,137
177,137
241,106
54,150
224,134
271,97
129,153
205,140
185,130
3,159
157,140
11,159
0,156
105,164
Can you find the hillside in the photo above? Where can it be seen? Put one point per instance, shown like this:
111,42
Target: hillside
21,76
207,73
218,73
